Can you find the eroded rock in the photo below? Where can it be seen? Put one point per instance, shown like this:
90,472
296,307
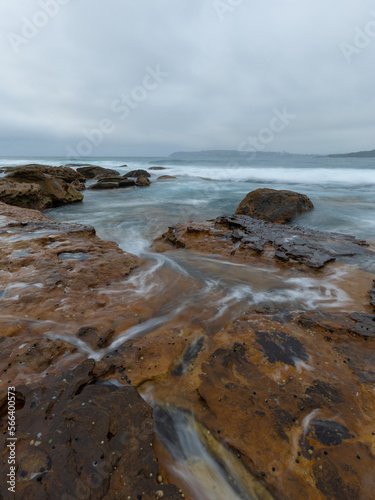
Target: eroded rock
238,234
142,181
40,187
274,205
91,172
80,436
137,173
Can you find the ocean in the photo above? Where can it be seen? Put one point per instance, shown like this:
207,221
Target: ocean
342,190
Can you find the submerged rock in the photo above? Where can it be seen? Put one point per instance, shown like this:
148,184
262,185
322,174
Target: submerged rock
274,206
157,168
165,177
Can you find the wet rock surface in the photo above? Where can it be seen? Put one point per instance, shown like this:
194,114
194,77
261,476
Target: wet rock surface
287,243
82,438
274,205
283,398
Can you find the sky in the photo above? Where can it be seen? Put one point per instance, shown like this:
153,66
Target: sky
114,78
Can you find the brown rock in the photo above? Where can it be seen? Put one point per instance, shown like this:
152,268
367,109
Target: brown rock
166,177
104,176
20,194
113,183
45,190
142,181
66,174
157,168
78,435
90,172
137,173
274,206
57,262
105,185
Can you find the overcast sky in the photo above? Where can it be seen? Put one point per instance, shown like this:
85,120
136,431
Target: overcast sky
170,75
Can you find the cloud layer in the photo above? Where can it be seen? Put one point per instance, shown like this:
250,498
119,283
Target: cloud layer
222,69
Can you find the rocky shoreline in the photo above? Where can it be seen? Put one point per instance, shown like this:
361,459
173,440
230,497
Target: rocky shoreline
287,396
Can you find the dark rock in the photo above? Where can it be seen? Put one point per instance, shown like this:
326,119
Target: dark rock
372,297
137,173
365,324
79,434
113,183
278,346
166,177
330,433
310,247
91,172
107,176
124,183
157,168
105,185
142,181
235,235
274,206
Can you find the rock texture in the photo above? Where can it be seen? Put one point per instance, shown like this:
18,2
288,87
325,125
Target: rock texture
40,187
137,173
60,280
274,206
157,168
288,244
142,181
80,437
288,393
93,172
165,177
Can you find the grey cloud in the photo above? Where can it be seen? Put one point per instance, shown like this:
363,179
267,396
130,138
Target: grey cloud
226,75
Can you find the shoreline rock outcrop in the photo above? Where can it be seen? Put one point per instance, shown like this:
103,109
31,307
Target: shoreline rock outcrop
94,172
41,187
288,392
271,205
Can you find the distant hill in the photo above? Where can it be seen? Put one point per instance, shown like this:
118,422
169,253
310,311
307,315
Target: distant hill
221,153
359,154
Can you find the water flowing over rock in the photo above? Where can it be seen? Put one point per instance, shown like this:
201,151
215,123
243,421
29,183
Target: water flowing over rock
274,206
277,401
289,244
83,437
